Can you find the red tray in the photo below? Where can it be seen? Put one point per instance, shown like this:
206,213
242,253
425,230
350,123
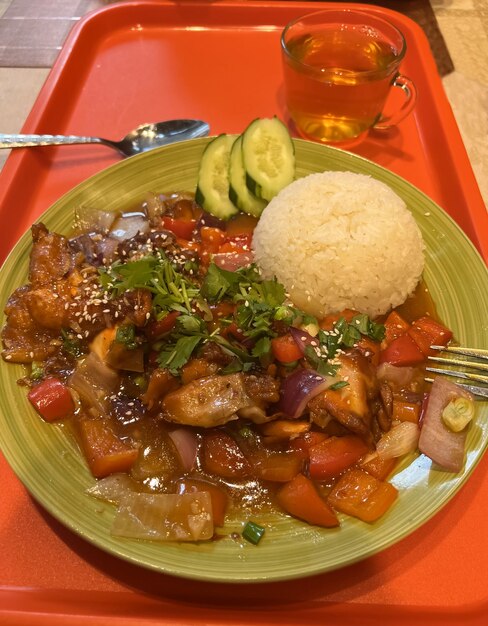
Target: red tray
227,71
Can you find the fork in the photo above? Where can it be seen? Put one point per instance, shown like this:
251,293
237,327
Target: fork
480,364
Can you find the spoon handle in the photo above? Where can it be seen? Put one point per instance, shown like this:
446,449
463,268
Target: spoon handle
28,141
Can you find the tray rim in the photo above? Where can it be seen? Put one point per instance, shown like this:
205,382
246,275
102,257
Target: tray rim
15,163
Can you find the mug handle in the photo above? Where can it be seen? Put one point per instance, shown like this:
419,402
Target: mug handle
410,91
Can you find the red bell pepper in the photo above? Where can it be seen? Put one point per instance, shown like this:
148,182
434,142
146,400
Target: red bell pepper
237,243
300,498
303,443
52,399
158,328
403,352
428,332
180,227
334,455
395,326
285,349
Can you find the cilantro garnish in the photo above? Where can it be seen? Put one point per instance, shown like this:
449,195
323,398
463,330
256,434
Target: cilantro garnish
126,335
71,344
261,310
170,288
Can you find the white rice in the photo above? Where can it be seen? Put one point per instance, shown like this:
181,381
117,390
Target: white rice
340,240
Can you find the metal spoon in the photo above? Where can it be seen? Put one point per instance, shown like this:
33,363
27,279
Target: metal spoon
143,138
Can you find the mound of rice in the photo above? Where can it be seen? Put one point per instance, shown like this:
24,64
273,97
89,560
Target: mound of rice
340,240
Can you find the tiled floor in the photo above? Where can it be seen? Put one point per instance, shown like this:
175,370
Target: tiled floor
458,35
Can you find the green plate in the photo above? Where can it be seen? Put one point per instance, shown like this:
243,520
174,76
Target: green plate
47,461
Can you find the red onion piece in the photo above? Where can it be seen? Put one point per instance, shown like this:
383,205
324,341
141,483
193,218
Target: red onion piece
206,219
186,444
302,338
299,388
443,446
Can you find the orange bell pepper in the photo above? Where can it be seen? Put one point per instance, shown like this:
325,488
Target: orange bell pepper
406,411
327,323
361,495
300,498
223,457
279,467
378,467
285,349
395,326
104,451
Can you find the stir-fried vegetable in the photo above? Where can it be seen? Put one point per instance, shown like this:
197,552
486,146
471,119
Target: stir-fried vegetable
51,399
198,380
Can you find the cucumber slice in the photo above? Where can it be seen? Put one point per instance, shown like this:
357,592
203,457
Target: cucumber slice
269,157
238,190
212,192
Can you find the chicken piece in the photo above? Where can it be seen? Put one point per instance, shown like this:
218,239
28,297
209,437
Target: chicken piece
23,339
47,308
51,257
207,402
349,405
262,389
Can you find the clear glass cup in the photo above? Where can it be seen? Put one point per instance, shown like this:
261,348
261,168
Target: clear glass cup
339,67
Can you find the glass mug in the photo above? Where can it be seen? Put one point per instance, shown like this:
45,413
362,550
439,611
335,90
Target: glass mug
339,67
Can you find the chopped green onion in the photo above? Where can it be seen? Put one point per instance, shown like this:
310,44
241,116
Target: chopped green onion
458,413
338,385
253,532
37,371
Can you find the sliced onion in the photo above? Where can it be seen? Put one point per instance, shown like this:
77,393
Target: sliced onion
302,338
186,444
94,382
399,440
107,249
129,225
165,517
113,488
393,374
444,447
89,220
232,261
299,388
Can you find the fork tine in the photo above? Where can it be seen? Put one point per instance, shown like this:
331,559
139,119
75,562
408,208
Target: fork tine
462,362
479,378
474,389
479,353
